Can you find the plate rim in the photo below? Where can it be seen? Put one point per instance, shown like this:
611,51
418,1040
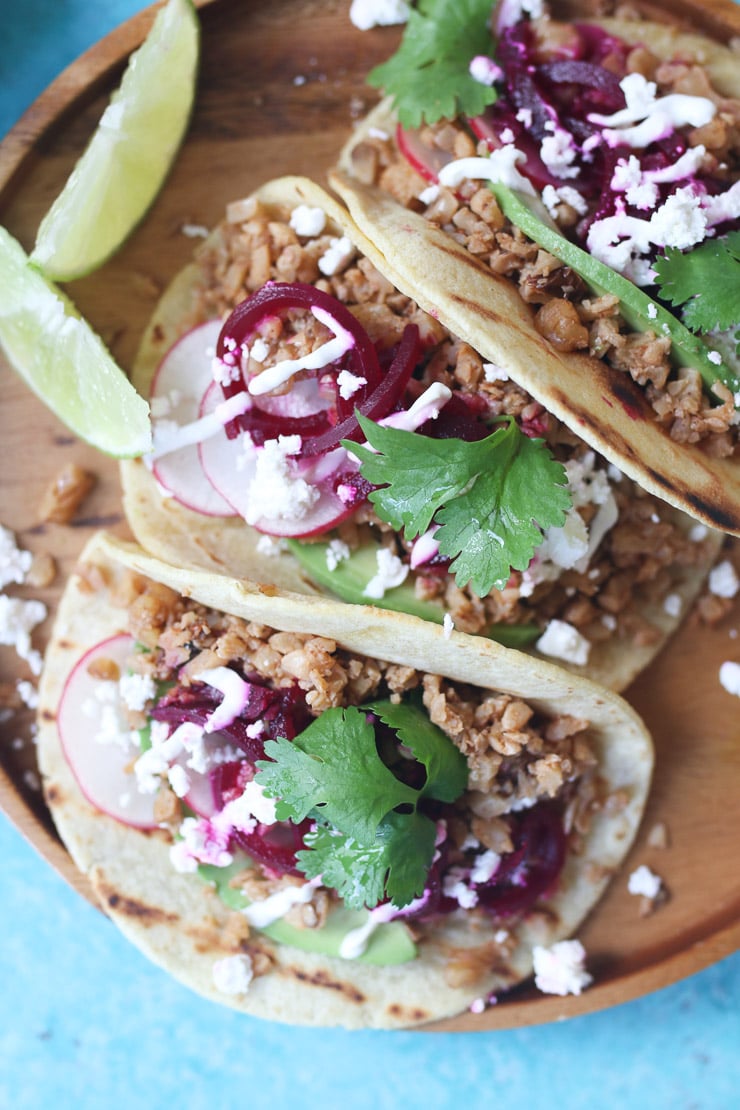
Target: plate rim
78,84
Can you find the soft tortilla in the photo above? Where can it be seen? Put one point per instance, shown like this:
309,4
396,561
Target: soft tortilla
228,545
601,405
172,919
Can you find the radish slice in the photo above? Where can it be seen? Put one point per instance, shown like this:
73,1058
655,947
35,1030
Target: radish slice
96,739
180,383
305,397
426,160
232,467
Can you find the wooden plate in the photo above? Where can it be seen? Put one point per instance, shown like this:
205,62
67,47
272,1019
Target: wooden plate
281,84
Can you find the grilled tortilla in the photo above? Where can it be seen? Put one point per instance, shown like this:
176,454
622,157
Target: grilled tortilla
600,403
176,919
659,555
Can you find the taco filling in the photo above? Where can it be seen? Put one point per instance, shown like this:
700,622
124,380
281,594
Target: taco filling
600,178
333,802
395,464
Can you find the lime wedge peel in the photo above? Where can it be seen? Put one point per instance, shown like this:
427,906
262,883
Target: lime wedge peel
130,153
62,359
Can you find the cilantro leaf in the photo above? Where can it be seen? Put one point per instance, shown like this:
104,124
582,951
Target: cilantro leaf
446,766
357,871
492,498
428,76
394,864
333,766
370,840
706,281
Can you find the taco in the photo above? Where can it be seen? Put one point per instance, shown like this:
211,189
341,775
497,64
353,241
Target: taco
615,571
591,169
200,739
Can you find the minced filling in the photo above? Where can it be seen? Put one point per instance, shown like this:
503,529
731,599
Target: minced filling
594,577
517,756
565,312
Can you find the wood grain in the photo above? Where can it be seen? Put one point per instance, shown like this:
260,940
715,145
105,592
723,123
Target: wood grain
280,86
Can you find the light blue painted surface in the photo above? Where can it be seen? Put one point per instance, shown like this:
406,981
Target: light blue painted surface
86,1022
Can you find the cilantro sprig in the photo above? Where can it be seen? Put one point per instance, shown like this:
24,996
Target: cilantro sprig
492,499
371,840
704,281
429,76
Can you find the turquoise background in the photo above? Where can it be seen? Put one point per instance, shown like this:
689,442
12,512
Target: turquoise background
86,1022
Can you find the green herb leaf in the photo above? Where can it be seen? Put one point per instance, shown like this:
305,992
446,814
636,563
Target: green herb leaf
429,76
394,865
333,767
370,841
492,498
446,766
706,280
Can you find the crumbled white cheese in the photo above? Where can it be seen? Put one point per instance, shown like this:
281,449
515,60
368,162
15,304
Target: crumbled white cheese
673,604
179,780
552,198
195,231
200,842
338,256
560,969
562,641
28,693
233,974
512,11
723,580
270,546
378,13
242,812
276,492
18,618
349,384
455,886
307,222
644,882
391,572
698,533
448,626
336,552
136,690
484,866
14,563
729,677
680,222
573,545
484,70
493,373
558,152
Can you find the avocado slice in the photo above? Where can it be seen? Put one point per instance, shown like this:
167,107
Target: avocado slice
639,310
389,944
351,576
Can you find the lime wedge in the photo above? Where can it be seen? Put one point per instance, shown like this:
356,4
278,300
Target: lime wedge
62,359
121,171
